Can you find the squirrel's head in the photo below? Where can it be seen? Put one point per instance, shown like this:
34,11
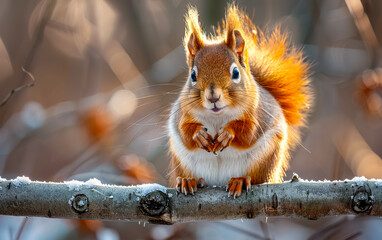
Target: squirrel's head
219,77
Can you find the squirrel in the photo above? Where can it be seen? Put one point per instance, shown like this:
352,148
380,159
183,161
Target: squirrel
241,109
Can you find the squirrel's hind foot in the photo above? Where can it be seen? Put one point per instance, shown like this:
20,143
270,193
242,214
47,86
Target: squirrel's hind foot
236,185
189,185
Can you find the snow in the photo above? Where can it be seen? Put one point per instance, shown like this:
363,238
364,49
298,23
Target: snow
20,181
70,202
148,188
378,183
81,203
93,181
357,179
75,185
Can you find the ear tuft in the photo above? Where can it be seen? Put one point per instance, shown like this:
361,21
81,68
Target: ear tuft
194,44
239,43
193,39
236,42
234,26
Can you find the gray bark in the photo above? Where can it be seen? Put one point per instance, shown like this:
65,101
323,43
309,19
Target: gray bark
295,198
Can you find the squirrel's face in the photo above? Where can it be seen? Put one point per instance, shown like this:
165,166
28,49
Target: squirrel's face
217,79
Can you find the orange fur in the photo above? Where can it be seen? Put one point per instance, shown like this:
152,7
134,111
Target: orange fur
177,170
188,128
243,131
281,70
276,67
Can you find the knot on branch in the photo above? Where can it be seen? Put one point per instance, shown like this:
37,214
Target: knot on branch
154,203
362,199
80,203
295,178
275,201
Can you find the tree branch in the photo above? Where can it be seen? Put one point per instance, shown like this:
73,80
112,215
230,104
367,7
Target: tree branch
156,204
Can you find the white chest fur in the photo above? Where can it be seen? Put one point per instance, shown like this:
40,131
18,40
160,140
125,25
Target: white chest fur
218,170
215,169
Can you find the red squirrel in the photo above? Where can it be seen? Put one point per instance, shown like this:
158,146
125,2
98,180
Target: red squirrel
241,108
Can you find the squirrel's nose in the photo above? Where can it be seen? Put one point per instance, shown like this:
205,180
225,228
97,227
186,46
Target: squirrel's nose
214,99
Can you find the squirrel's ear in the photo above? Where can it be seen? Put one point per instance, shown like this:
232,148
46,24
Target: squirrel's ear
193,39
235,41
194,44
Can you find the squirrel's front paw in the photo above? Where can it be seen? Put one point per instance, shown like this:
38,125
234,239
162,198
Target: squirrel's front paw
236,185
222,140
203,139
188,185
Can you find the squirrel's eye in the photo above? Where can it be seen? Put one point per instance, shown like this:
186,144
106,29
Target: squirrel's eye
193,75
235,73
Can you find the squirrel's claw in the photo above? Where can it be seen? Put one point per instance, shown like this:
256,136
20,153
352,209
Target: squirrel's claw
222,140
203,139
236,185
188,185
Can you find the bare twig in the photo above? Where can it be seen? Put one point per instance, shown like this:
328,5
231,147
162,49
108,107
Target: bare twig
363,23
37,40
353,235
364,27
156,204
38,35
318,235
349,143
20,231
13,91
264,228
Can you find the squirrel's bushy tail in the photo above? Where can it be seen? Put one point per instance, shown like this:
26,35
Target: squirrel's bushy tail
281,70
277,66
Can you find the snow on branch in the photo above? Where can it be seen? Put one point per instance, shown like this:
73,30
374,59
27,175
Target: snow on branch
157,204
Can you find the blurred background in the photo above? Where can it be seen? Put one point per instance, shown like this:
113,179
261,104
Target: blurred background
86,87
